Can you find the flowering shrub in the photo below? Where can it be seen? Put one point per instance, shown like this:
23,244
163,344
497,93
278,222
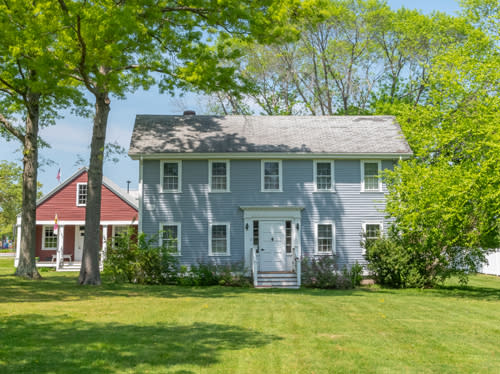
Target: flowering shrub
323,272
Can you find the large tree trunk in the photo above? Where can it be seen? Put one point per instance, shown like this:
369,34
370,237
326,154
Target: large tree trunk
27,265
89,272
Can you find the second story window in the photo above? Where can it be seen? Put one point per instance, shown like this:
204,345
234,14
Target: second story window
323,176
370,176
218,176
271,174
81,194
171,174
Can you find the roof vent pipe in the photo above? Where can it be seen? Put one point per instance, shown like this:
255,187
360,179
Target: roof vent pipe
189,113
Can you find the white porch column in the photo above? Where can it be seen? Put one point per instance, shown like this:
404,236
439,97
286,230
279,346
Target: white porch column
104,243
60,248
18,241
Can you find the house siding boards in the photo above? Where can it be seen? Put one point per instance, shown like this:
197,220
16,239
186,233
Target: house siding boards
195,207
64,204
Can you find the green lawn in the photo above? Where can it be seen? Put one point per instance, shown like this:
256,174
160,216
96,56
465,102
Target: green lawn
55,326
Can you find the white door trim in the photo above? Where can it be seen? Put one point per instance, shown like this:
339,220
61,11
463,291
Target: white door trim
77,238
271,213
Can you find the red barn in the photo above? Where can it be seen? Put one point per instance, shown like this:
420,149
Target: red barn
61,245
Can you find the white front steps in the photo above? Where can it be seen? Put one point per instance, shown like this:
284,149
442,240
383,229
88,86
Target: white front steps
277,279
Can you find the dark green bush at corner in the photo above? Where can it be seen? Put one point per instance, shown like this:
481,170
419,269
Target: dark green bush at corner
404,261
323,272
134,258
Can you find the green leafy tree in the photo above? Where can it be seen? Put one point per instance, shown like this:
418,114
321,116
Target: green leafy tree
11,181
112,48
446,200
32,89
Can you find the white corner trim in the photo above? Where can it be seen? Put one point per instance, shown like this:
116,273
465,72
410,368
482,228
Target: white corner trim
280,175
228,239
179,176
362,164
141,193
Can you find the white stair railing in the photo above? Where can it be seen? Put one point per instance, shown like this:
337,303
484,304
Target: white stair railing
255,266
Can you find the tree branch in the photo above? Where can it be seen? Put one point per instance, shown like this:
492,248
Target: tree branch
11,128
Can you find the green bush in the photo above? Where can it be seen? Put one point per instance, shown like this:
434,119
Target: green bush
323,272
138,259
208,274
406,261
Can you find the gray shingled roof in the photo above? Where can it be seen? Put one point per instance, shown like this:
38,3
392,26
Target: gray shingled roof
155,134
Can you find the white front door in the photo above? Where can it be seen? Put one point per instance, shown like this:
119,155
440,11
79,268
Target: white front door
272,246
79,236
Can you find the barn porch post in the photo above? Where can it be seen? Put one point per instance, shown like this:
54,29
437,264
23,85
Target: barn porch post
104,244
60,248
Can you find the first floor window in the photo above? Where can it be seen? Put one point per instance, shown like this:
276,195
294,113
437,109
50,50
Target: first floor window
119,230
171,173
371,179
49,238
81,198
325,238
219,239
372,230
170,237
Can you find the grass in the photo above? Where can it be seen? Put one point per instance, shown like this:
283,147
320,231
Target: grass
55,326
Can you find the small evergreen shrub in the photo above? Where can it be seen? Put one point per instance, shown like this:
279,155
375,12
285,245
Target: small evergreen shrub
323,272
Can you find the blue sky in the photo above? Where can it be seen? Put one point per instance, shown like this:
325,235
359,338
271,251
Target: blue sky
71,135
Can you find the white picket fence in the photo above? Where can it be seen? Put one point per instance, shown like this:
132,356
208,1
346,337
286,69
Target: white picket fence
493,266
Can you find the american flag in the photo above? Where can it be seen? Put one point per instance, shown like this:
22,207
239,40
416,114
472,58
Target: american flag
58,176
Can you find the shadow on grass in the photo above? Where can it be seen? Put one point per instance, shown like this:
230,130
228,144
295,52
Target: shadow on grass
37,344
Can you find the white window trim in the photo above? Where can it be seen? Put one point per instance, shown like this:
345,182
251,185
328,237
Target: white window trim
78,193
379,163
179,235
228,239
228,176
380,223
162,170
44,248
316,237
315,175
262,162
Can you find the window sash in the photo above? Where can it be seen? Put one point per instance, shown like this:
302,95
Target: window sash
219,175
170,237
49,238
271,175
219,239
288,237
371,176
170,176
325,238
82,194
372,230
323,176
